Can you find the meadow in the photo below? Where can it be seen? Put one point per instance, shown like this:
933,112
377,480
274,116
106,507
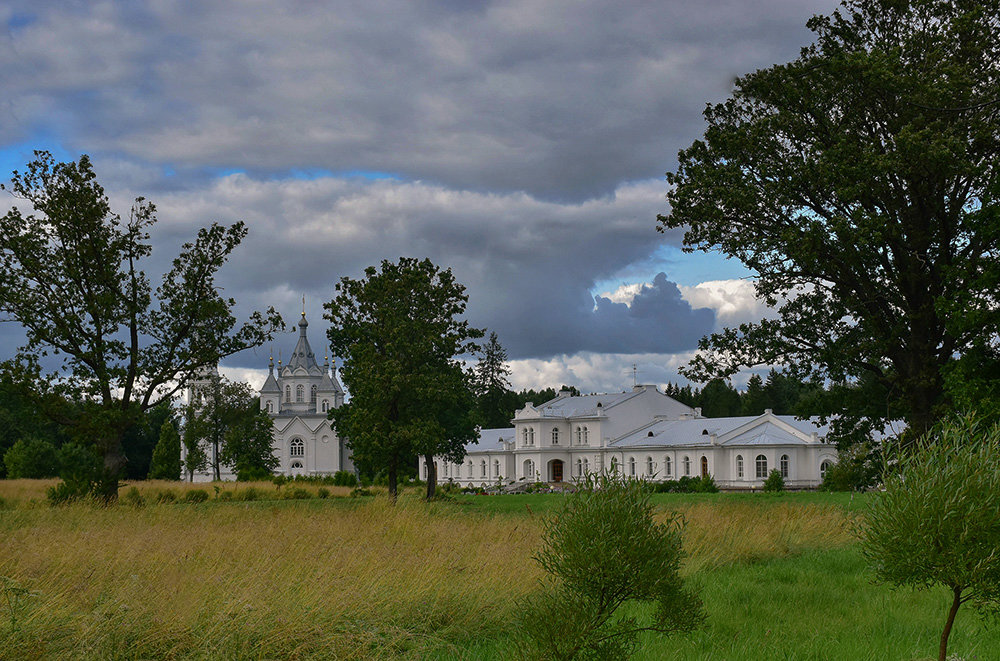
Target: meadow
358,578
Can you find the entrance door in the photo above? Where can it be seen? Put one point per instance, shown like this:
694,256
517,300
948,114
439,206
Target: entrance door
555,470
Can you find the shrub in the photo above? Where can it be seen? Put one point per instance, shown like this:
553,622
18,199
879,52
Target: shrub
345,479
253,474
164,496
706,484
224,495
296,493
280,480
938,520
360,492
322,492
133,498
248,494
602,550
774,481
31,458
194,496
79,467
858,469
62,494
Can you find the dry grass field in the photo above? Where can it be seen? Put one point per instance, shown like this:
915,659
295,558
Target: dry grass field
338,577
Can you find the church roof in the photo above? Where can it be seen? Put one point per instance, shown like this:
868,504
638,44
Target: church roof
270,383
581,405
303,355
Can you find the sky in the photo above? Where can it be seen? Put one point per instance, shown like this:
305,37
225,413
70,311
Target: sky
521,143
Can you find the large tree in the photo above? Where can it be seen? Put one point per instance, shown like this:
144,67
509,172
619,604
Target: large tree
399,333
71,275
860,183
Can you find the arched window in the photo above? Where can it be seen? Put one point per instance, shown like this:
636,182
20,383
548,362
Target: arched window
312,396
579,468
687,465
468,467
270,406
288,393
586,436
761,467
297,448
300,394
649,466
555,436
586,466
824,467
529,469
482,468
444,469
325,406
496,468
739,466
579,436
704,466
631,466
531,436
524,436
666,466
614,464
783,466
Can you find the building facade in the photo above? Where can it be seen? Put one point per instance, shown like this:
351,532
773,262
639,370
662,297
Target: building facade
641,434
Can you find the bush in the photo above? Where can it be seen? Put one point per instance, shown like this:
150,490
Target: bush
774,481
133,498
345,479
79,467
194,496
938,520
360,492
164,496
706,484
253,474
31,458
602,550
62,494
280,480
322,492
295,493
248,494
224,495
858,469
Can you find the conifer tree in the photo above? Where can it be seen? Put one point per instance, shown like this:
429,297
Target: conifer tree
166,463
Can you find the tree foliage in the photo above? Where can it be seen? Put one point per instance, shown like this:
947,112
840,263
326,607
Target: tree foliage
860,183
603,550
31,458
937,522
249,444
166,460
71,275
398,333
491,386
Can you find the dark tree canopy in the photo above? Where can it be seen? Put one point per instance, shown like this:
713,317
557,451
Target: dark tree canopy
492,388
398,331
860,183
71,275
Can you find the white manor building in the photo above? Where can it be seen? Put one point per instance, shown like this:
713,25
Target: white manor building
641,434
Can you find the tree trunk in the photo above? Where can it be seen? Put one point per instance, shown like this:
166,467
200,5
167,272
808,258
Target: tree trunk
106,488
955,603
431,476
215,461
392,483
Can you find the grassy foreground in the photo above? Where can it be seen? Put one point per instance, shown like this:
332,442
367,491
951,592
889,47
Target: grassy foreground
357,578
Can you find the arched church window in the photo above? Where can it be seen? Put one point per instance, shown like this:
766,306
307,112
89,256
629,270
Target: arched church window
586,465
704,466
496,468
270,407
761,467
666,466
586,435
739,466
824,467
482,468
579,468
631,466
579,436
649,466
531,436
687,465
297,448
300,394
614,464
312,396
325,406
783,464
288,393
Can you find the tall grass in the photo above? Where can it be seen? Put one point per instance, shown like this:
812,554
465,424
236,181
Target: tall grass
358,579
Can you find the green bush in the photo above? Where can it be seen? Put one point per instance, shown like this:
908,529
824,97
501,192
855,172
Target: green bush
345,479
706,484
296,493
194,496
248,494
253,474
164,496
322,492
605,549
937,522
224,495
31,458
133,498
774,481
62,494
280,480
361,492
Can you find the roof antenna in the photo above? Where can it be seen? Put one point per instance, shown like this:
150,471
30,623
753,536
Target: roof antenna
635,375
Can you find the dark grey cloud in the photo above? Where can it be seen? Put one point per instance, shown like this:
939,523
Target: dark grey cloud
561,99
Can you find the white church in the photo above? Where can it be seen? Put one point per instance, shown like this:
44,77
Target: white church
642,434
298,397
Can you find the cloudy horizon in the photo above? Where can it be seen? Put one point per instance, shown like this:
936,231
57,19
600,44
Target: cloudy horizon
523,144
